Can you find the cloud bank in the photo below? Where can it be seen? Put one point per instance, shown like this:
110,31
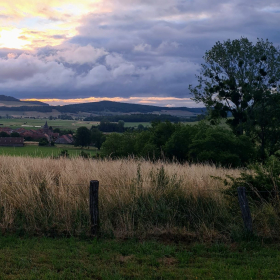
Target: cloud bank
122,49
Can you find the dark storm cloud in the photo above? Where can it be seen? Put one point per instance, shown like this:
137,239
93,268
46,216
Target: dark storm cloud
151,48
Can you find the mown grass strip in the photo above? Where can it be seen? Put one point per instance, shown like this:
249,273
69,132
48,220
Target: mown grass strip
45,258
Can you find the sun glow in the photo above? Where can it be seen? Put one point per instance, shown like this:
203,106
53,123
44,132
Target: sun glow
32,24
12,39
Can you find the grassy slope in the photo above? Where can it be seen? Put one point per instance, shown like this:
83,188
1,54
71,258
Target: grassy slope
42,258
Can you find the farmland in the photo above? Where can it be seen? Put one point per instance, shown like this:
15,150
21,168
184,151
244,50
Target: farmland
58,123
38,123
40,151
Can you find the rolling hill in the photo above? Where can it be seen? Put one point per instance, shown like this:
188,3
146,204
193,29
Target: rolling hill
106,108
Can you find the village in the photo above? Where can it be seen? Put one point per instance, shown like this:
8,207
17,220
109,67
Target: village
10,137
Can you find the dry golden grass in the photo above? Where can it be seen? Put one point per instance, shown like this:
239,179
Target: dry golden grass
50,196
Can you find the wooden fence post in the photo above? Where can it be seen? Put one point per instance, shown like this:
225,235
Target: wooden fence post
93,207
244,206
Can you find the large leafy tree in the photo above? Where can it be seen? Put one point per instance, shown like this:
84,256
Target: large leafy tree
82,137
242,78
97,137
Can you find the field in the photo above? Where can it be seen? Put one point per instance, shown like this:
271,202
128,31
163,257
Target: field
45,258
50,196
38,123
62,124
41,151
158,220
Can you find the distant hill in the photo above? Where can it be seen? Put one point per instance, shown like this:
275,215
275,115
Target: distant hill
102,108
8,98
10,101
116,107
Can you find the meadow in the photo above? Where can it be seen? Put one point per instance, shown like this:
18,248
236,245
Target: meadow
45,258
44,196
39,123
33,150
158,220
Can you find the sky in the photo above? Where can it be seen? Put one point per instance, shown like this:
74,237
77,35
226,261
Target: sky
135,51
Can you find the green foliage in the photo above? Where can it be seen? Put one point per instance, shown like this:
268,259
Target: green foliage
221,146
178,144
243,79
15,134
119,145
43,142
4,134
97,137
82,137
107,126
263,180
198,143
148,117
64,153
83,154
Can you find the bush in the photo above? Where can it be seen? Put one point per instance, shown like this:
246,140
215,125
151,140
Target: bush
263,180
43,142
64,153
84,154
221,146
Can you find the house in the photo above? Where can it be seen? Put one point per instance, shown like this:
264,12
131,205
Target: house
12,141
65,139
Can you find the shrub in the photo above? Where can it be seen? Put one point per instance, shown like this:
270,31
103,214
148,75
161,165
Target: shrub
263,180
64,153
43,142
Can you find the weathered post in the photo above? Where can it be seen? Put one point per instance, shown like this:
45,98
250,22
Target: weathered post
244,206
93,207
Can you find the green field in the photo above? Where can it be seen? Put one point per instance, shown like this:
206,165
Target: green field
46,258
38,123
41,151
62,124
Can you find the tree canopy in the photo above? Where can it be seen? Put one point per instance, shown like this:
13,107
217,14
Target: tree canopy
82,137
242,78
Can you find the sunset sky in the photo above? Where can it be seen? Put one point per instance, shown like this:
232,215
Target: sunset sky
136,51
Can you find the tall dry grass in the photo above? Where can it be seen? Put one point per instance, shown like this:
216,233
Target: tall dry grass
50,196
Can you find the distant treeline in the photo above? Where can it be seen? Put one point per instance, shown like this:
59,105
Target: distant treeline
103,106
43,109
135,118
197,143
109,106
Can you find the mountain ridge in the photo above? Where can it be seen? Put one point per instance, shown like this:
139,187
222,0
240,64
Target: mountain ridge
100,108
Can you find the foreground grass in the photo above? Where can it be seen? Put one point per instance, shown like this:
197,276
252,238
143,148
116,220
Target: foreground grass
41,151
51,197
42,258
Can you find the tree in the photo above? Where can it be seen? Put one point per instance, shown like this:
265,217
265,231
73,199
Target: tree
15,134
119,145
242,78
82,137
97,137
4,134
43,142
220,146
178,144
121,125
